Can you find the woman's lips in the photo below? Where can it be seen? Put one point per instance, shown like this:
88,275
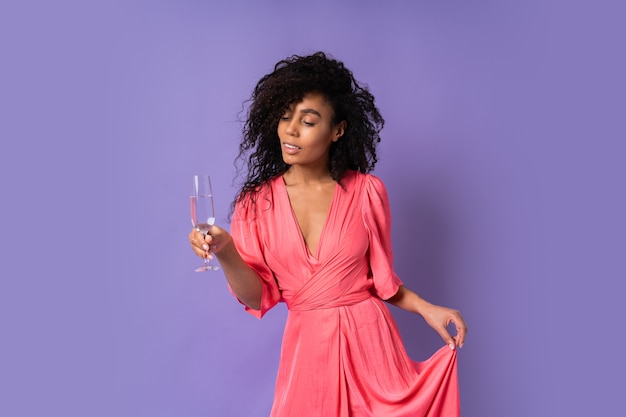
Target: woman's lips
290,148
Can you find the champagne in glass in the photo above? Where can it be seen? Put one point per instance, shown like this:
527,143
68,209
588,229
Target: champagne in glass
203,212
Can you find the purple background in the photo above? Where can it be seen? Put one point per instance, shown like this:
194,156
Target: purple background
503,155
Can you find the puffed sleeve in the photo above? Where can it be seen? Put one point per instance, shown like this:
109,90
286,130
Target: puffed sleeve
377,219
247,238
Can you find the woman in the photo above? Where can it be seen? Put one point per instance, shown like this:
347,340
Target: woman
311,227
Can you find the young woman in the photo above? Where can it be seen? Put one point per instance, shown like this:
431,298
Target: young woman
311,228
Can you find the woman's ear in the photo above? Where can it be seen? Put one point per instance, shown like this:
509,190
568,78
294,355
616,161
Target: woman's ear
339,130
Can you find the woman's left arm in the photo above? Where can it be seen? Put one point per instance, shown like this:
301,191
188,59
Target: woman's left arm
437,317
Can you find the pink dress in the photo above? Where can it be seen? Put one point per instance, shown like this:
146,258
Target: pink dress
342,354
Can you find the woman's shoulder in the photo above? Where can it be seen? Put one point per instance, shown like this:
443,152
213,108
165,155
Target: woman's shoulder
365,181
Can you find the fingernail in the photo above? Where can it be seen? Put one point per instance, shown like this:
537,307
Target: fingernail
451,346
205,246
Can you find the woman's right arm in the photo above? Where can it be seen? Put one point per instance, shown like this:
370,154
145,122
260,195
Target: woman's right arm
242,279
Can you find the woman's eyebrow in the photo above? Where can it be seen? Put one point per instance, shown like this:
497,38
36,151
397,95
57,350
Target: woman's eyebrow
310,111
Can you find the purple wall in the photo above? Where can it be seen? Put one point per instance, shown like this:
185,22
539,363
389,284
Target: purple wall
503,155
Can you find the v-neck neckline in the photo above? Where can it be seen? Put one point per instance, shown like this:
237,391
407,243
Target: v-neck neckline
296,224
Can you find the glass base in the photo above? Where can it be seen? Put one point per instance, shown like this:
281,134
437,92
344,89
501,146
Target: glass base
207,267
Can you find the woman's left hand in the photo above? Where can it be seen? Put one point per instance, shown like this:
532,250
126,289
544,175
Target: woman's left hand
439,318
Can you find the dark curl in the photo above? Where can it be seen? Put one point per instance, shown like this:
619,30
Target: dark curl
291,80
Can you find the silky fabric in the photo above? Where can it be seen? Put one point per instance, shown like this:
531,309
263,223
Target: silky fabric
342,354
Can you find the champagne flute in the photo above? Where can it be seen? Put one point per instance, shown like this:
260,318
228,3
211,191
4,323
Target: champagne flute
203,212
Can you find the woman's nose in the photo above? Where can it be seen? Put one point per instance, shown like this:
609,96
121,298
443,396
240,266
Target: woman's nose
291,128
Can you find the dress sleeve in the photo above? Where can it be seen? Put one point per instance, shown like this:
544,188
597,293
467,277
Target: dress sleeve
247,238
377,219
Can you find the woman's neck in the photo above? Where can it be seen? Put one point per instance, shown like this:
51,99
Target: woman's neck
300,175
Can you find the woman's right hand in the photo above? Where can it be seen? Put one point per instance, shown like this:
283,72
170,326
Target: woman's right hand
242,279
213,242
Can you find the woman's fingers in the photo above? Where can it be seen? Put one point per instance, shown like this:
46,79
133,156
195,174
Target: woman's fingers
199,243
440,318
461,328
205,246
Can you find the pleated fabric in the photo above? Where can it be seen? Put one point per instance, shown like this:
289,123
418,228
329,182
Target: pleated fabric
342,354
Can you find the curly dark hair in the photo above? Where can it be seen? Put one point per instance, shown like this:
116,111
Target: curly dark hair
291,80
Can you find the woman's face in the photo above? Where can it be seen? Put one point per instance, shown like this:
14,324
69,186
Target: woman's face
306,132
